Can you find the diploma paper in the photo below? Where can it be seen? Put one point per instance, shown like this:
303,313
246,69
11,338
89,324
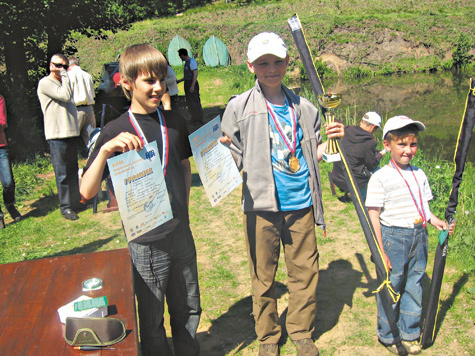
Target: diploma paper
140,190
214,162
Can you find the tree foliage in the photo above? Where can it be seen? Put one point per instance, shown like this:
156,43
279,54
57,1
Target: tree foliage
31,31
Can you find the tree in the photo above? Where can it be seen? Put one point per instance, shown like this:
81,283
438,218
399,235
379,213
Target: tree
26,25
31,31
16,25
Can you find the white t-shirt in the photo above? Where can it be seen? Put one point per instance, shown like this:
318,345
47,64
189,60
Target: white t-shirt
388,191
171,81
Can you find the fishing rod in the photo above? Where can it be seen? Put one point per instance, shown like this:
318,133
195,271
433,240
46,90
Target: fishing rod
460,158
385,290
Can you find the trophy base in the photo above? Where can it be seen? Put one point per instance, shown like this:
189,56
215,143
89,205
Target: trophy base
334,157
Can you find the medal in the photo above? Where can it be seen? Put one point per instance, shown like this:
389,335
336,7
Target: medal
294,163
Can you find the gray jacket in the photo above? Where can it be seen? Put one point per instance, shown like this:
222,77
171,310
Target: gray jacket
245,121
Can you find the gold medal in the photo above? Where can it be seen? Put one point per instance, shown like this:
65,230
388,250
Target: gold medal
294,163
418,221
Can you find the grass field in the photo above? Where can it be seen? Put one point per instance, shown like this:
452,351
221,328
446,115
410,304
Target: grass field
346,305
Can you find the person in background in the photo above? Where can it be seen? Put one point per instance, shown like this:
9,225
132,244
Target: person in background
6,173
62,133
169,99
398,207
191,86
82,85
164,261
274,136
361,153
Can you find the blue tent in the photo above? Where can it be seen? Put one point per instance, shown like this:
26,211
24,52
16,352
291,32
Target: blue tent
175,44
215,53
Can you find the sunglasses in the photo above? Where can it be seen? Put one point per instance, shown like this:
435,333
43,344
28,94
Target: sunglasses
60,65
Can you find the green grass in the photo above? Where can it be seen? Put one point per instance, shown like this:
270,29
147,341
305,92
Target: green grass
430,28
226,322
224,274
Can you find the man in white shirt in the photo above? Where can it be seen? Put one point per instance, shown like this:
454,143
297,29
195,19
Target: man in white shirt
82,85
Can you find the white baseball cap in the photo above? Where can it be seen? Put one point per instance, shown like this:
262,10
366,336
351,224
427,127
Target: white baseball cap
398,122
266,43
373,118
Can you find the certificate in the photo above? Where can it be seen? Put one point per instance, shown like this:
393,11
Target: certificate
140,190
214,162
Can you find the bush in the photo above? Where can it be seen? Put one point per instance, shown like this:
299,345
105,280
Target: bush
461,48
320,66
356,72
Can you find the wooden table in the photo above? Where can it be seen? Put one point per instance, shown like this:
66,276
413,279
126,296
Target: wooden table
32,291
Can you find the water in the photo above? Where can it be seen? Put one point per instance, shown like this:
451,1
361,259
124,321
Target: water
437,100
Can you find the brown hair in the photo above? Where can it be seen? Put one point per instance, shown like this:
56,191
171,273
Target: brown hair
407,131
141,59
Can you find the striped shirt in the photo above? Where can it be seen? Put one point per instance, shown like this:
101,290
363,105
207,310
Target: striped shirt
388,191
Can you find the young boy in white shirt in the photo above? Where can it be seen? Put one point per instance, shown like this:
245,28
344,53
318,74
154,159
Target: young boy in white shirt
398,207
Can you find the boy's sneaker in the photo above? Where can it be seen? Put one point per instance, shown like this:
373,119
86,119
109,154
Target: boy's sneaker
412,347
268,350
397,348
306,347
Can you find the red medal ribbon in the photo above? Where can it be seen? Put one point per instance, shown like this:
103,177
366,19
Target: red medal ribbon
421,209
281,130
164,130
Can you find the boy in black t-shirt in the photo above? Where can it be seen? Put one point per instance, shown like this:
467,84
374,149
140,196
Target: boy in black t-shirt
165,259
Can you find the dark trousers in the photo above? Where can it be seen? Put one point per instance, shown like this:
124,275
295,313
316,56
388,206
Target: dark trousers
166,270
193,102
64,157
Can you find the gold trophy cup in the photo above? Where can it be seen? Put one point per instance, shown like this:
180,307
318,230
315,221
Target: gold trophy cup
330,101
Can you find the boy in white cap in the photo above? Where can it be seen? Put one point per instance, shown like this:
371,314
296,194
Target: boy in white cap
361,153
397,201
274,137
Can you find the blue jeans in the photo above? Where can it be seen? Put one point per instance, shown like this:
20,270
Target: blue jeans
6,176
407,249
167,268
64,157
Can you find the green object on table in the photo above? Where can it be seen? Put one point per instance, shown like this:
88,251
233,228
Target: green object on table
98,302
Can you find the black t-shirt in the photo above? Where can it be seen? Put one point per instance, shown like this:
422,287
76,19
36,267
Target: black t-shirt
179,149
361,154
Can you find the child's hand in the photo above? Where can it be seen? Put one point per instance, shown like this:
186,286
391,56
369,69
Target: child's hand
225,139
123,142
441,225
451,228
387,261
335,130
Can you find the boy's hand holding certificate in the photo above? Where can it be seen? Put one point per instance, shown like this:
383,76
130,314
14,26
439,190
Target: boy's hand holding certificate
140,190
214,162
